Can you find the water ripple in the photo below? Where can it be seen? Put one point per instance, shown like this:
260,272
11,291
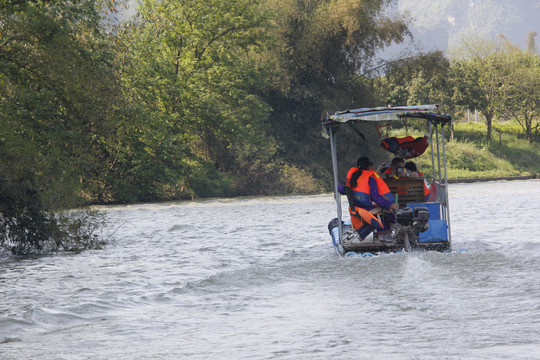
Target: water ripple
262,282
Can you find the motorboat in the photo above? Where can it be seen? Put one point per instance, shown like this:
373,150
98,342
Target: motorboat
420,223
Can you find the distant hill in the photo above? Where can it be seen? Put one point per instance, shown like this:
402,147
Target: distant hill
440,24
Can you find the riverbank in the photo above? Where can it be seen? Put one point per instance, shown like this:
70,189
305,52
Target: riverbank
484,179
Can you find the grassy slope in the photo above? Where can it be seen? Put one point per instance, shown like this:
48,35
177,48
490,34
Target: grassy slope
469,155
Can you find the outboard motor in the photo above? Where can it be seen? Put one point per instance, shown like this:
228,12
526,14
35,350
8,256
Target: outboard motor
410,224
404,216
421,217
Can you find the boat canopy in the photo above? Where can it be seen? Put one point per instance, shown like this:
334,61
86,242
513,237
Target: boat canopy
429,112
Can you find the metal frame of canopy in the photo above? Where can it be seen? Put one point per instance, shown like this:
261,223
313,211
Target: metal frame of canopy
435,122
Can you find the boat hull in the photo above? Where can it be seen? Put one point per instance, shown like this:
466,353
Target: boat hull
375,243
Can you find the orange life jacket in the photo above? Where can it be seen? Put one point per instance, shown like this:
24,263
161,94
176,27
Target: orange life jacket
362,190
426,187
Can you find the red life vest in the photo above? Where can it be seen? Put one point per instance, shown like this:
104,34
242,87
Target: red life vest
406,147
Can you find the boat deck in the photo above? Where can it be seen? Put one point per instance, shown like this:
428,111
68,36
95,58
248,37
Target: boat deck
373,244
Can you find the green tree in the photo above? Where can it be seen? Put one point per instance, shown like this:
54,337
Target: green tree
421,79
55,96
189,69
321,47
480,75
523,103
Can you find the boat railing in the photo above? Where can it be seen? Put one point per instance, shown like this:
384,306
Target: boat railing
441,193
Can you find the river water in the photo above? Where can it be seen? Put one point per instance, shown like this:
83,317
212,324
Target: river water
257,278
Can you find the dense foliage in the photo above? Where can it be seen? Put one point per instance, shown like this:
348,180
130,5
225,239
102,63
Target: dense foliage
209,98
56,109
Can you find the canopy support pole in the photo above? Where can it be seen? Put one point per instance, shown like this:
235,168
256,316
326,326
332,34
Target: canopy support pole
438,153
432,154
447,209
336,179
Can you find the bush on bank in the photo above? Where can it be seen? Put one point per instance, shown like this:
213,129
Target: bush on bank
27,227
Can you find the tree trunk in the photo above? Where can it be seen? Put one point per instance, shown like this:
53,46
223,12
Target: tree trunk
489,120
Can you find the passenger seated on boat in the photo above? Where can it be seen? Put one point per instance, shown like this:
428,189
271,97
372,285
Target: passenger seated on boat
397,170
367,194
411,166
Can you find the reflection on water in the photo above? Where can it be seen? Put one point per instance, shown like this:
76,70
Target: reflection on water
257,278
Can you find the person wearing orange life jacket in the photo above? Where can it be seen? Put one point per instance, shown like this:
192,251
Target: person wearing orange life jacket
411,166
369,191
397,170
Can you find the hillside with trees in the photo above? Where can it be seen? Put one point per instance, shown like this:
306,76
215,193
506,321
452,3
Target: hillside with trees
191,99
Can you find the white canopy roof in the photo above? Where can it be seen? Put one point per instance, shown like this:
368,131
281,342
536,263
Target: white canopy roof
382,113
